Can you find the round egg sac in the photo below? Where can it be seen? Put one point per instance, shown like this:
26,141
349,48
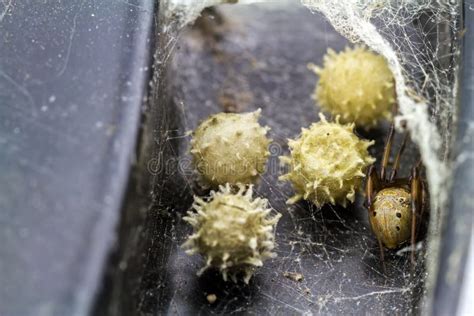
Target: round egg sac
327,163
230,148
232,231
356,84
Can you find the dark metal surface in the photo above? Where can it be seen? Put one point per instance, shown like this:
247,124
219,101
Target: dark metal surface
457,232
72,81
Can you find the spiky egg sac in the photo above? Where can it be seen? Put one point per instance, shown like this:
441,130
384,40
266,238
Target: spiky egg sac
327,163
356,84
230,148
232,231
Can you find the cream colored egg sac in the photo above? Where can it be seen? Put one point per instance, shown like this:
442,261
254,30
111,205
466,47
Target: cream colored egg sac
230,148
234,232
356,84
327,163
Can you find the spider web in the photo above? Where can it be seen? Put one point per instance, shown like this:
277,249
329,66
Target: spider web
418,38
420,41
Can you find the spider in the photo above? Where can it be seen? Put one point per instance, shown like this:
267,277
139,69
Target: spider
394,204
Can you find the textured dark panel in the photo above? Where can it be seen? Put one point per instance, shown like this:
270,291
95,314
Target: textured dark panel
457,232
72,79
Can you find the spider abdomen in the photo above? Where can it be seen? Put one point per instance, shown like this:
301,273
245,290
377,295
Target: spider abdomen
391,216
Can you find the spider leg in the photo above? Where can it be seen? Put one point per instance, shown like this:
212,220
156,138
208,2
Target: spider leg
386,152
396,164
382,256
395,104
422,206
416,194
372,185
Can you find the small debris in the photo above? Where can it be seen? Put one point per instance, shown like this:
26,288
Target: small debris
297,277
234,101
211,298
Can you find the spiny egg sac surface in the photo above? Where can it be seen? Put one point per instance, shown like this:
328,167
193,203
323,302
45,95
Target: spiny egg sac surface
327,163
232,231
356,84
230,148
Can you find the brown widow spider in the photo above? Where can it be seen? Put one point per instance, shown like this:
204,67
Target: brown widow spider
394,204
